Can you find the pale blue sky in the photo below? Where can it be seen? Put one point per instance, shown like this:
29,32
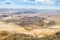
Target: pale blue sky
37,4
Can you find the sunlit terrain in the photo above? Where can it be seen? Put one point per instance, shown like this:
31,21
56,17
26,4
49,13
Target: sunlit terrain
29,24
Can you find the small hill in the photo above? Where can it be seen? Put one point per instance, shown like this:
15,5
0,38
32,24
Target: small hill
35,32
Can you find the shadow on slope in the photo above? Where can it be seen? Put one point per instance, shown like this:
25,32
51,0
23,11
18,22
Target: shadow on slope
56,36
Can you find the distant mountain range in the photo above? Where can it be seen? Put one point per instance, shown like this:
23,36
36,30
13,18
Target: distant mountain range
28,11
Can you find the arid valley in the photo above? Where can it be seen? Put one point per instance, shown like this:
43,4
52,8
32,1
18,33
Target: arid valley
29,25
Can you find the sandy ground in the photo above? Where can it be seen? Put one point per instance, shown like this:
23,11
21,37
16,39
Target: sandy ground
36,32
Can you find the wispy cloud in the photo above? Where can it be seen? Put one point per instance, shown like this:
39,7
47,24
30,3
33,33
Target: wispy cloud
39,4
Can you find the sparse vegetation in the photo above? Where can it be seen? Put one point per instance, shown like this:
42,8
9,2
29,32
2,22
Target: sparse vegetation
27,25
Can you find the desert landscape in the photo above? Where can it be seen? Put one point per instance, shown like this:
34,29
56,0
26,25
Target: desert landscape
29,25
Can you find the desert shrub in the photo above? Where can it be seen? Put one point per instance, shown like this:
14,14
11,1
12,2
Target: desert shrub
58,34
22,37
4,33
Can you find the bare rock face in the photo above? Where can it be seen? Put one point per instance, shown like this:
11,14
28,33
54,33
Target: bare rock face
35,20
25,21
48,23
51,23
29,21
